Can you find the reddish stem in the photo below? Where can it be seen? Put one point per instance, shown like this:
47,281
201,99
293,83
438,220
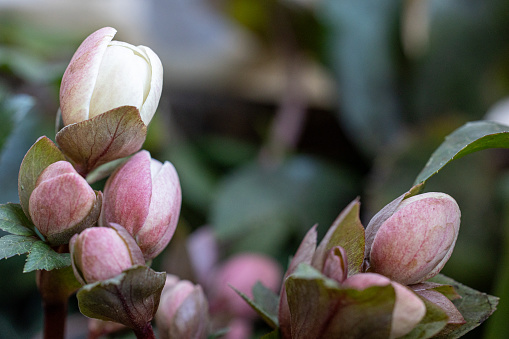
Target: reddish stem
55,314
145,332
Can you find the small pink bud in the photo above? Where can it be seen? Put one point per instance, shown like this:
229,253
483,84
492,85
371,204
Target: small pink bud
61,203
409,309
183,310
416,241
100,253
144,196
336,264
242,272
105,74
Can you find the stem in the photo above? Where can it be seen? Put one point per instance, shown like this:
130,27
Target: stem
55,314
145,332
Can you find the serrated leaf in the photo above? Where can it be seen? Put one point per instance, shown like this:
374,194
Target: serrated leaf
265,302
13,220
475,306
11,245
106,137
471,137
43,257
131,298
42,154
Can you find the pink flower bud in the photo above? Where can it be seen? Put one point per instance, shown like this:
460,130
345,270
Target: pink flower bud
242,272
416,241
62,203
336,264
144,196
100,253
105,74
409,309
183,310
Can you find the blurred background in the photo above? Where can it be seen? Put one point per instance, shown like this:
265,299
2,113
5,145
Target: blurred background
277,114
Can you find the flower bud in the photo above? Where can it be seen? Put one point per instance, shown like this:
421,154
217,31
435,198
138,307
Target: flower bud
62,203
242,272
416,241
100,253
183,310
105,74
144,196
409,309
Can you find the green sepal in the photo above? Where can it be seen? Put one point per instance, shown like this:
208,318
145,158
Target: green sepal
265,302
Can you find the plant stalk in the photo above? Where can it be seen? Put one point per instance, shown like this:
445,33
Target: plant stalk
145,332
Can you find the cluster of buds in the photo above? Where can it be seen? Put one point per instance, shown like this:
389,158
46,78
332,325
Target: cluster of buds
109,94
376,276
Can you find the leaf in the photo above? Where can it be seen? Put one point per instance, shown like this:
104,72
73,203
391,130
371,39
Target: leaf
112,135
471,137
433,322
11,245
265,303
131,298
320,308
347,232
14,220
42,154
272,335
43,257
475,306
12,111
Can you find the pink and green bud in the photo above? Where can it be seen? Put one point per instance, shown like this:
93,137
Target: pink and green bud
101,253
62,203
105,74
409,309
336,264
242,272
415,242
144,196
183,310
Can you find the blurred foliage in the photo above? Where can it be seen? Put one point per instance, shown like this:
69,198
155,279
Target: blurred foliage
407,73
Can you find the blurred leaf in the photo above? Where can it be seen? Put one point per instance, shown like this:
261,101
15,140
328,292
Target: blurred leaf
131,298
43,257
475,306
272,335
321,308
471,137
11,245
42,154
347,232
12,112
261,208
265,302
360,49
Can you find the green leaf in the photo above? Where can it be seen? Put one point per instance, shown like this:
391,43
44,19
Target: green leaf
131,298
346,231
42,154
43,257
109,136
265,302
433,322
320,308
272,335
11,245
12,111
13,220
475,306
471,137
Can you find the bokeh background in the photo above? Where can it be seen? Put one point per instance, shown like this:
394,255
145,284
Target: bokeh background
277,114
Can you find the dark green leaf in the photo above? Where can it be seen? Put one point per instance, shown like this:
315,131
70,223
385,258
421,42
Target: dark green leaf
11,245
471,137
131,298
320,308
272,335
14,220
264,302
42,154
43,257
475,306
